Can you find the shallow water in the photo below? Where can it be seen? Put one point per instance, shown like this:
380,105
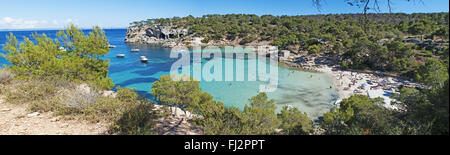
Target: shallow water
295,88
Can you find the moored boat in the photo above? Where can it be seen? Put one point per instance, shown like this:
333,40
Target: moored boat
144,60
135,50
120,55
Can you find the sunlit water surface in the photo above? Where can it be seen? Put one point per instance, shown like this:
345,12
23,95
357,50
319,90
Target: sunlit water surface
310,92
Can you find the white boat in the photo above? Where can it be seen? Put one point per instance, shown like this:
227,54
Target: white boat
142,57
62,49
135,50
144,60
111,46
120,55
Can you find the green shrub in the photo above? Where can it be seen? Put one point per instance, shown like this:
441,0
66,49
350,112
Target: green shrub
5,76
137,120
390,35
112,109
94,107
105,109
294,122
206,40
247,40
52,104
129,114
42,57
81,97
126,95
31,91
344,64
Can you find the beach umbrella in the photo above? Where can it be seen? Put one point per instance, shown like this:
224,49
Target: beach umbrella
364,85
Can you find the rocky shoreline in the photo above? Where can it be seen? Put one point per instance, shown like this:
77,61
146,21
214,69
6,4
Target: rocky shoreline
171,36
166,36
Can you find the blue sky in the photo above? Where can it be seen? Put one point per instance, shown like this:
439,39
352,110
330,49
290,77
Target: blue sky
43,14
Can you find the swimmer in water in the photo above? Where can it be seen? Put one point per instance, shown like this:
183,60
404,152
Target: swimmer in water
230,84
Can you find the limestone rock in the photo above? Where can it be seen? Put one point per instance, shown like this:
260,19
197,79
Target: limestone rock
109,93
65,125
176,123
34,114
167,36
5,109
84,88
55,119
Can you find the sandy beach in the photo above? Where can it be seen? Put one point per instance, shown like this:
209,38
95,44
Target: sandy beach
348,83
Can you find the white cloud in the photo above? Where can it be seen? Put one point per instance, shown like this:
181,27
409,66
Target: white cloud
19,23
8,19
72,21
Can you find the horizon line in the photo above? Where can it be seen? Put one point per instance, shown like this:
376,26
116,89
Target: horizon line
89,28
49,29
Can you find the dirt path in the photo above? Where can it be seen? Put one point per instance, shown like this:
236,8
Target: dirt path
16,120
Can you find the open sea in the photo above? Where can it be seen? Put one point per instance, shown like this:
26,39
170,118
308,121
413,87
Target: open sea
295,88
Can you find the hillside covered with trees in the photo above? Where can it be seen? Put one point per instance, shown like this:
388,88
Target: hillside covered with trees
46,77
409,45
385,42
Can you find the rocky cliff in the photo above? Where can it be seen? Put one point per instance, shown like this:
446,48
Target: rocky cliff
171,36
155,34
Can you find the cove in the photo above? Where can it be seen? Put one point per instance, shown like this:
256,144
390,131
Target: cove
310,92
307,91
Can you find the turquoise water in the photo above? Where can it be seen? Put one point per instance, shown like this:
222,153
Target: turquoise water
295,88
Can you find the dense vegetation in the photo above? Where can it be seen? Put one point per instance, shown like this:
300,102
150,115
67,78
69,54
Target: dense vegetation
47,77
373,41
73,56
376,45
216,119
70,81
380,42
423,112
303,30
